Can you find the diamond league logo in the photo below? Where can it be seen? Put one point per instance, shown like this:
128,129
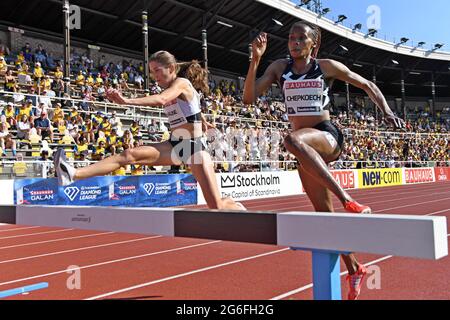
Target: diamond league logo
149,187
71,192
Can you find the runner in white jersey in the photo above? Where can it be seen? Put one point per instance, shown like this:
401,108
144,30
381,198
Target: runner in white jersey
181,103
314,141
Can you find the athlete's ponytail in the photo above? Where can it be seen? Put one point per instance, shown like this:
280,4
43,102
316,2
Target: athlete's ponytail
194,72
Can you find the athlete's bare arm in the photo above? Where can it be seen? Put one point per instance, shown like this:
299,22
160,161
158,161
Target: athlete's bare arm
337,70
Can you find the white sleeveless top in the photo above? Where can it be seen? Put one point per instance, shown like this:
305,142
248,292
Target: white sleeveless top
179,110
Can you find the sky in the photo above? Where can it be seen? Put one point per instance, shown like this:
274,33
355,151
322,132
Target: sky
418,20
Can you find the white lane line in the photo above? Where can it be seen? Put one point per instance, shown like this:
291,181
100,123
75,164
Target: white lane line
56,240
305,200
441,211
35,234
412,204
195,271
185,274
111,262
308,286
297,208
284,295
78,249
15,229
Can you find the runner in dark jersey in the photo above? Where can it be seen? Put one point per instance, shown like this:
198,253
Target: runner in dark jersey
314,140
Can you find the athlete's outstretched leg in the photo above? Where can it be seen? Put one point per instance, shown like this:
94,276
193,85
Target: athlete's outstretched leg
203,170
159,154
313,149
321,200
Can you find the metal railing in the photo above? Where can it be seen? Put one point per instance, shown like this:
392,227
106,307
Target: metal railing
45,169
394,134
104,106
387,164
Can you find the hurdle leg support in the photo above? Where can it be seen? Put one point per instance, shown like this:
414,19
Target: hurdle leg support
22,290
326,274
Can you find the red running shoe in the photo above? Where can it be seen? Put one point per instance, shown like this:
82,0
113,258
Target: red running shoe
355,282
355,207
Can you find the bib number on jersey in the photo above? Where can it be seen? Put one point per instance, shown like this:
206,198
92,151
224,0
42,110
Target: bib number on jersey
303,97
175,115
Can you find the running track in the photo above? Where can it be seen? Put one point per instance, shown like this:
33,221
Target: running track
132,266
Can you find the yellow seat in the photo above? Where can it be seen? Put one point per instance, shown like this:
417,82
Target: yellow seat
122,171
67,139
20,168
35,141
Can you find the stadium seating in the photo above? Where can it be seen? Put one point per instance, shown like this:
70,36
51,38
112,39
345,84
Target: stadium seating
241,129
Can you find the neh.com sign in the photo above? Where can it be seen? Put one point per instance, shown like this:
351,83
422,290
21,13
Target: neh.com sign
256,185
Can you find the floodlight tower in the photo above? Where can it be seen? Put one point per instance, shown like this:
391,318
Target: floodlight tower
316,6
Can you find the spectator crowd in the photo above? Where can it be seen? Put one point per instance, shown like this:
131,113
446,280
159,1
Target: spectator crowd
35,108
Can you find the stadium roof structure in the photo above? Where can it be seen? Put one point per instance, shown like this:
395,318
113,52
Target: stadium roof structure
176,26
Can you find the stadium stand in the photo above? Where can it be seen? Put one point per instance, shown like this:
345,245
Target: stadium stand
37,116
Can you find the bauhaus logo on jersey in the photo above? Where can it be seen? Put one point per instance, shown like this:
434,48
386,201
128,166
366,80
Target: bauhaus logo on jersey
303,84
233,181
380,177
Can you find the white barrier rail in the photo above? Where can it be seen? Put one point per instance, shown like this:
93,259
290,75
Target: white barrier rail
326,235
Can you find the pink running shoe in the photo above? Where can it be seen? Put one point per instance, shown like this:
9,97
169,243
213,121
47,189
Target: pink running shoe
355,207
355,282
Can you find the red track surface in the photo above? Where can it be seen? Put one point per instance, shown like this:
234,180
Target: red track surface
132,266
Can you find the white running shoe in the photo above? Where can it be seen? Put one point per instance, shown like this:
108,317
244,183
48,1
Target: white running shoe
241,206
63,169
